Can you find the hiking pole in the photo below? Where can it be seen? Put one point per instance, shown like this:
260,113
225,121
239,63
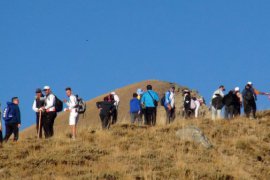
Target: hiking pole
39,124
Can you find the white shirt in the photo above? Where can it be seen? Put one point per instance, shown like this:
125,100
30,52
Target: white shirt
72,103
117,100
172,99
219,91
50,103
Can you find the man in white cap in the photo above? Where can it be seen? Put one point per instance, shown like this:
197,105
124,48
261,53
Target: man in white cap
116,104
239,103
50,112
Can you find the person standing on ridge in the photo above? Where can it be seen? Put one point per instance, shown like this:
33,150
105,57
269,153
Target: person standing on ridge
239,102
50,112
217,104
105,109
169,105
150,102
12,117
249,99
72,107
116,104
38,103
135,109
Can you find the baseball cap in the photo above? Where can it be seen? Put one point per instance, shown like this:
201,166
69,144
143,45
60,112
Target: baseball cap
46,88
237,89
249,83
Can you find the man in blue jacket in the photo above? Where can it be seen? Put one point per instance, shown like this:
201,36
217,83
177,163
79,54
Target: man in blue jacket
150,101
135,109
14,123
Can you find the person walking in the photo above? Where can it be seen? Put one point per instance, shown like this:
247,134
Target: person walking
135,109
37,104
50,112
72,107
229,101
187,104
169,105
150,102
249,100
116,104
217,104
105,109
12,117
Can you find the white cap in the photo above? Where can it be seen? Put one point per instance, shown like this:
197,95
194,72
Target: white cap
46,87
237,89
249,83
113,93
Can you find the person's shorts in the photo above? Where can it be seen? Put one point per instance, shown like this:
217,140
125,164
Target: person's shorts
73,119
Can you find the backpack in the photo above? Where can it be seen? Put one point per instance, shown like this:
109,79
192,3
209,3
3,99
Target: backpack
228,99
217,102
187,102
81,105
163,99
192,104
249,95
58,104
8,113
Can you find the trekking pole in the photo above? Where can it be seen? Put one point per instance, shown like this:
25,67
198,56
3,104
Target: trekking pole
39,124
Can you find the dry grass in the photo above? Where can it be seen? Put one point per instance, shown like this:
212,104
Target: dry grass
241,151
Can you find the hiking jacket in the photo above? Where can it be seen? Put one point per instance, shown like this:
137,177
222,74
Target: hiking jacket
252,90
135,105
106,107
15,110
147,100
50,103
218,92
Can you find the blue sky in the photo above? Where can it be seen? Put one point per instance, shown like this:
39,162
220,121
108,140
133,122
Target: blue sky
97,46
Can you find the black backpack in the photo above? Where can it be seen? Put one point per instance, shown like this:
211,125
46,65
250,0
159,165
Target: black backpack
228,99
81,106
217,102
249,95
58,104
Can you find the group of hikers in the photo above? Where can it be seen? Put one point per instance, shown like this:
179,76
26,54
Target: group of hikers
143,107
234,101
46,106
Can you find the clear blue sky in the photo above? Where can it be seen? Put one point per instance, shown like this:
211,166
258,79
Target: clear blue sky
97,46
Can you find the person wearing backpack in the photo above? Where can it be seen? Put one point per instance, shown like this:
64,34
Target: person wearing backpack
12,117
149,101
187,104
105,109
37,104
249,100
169,104
72,107
1,134
229,101
135,109
50,111
217,103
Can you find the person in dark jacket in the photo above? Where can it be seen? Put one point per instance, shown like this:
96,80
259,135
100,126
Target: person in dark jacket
230,102
249,100
187,101
106,108
135,109
38,103
13,125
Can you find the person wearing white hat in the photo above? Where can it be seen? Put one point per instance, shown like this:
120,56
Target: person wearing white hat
249,101
116,104
50,112
239,103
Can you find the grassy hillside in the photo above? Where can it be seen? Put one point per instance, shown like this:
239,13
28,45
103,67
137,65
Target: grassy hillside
241,151
241,148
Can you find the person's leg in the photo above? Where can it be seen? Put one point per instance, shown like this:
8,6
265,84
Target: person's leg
226,112
45,123
219,114
16,132
132,118
254,109
9,132
173,114
197,111
37,122
167,116
154,116
147,116
102,120
214,111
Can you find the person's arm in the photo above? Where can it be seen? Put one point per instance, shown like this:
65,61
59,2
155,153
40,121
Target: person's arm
167,98
50,102
34,107
156,96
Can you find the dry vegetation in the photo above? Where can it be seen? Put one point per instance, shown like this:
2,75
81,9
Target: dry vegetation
241,151
241,148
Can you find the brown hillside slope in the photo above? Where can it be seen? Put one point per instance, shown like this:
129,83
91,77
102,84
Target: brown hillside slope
91,118
241,151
